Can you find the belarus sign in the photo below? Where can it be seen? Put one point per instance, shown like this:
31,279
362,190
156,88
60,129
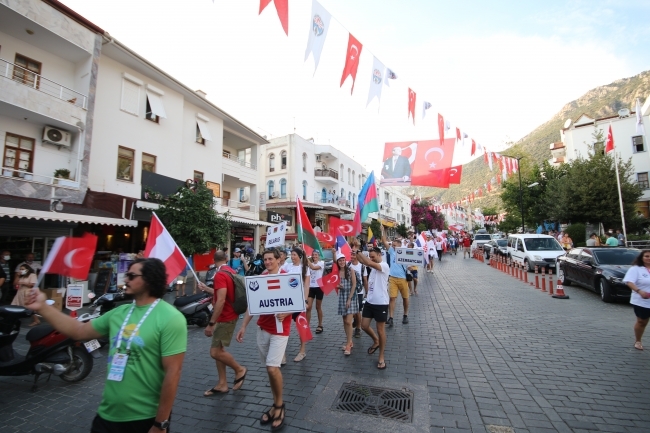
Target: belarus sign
275,235
410,257
74,297
278,293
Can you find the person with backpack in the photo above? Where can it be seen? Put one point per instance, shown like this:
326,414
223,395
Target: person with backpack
223,323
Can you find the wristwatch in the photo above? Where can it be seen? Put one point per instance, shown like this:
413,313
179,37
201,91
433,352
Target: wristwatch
210,323
161,425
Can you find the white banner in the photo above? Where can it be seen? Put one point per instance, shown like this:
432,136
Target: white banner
275,235
74,297
409,257
376,81
320,23
278,293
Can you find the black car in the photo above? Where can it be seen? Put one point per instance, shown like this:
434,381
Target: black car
600,269
498,247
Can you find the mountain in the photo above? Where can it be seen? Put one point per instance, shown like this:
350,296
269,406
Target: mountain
599,102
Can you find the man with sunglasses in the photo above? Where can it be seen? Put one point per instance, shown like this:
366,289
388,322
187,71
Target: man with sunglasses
148,340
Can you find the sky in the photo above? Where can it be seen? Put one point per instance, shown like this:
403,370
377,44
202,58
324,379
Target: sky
496,69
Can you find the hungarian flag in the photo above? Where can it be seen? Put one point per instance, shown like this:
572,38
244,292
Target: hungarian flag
329,282
306,234
342,246
351,60
161,245
282,7
367,202
71,257
610,141
455,174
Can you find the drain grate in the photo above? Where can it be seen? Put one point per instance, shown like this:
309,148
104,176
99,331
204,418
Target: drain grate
374,401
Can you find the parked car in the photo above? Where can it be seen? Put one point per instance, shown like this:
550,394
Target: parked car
600,269
480,239
534,250
496,236
498,247
328,258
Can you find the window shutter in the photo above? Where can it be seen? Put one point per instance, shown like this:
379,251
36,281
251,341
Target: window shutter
130,97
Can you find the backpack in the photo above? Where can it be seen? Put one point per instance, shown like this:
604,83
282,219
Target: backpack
240,304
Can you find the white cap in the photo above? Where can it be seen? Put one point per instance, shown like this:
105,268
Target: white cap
339,256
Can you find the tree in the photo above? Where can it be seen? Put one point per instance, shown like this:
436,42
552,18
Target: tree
191,220
421,214
509,224
376,229
402,229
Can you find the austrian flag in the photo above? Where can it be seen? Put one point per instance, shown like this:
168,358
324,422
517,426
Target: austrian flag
273,284
160,245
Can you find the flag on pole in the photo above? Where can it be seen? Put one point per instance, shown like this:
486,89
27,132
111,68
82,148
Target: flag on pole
161,245
367,202
282,7
610,141
421,242
342,246
71,257
320,24
302,326
306,234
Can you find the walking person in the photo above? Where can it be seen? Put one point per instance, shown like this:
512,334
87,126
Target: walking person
237,262
271,344
637,279
317,266
376,306
413,270
29,261
467,247
439,247
431,251
567,242
611,240
397,282
361,289
148,339
348,304
222,327
620,238
298,265
26,282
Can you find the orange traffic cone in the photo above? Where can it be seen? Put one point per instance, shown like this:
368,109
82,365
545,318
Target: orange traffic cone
73,314
559,291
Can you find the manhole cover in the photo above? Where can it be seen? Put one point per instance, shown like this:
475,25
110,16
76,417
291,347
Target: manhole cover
374,401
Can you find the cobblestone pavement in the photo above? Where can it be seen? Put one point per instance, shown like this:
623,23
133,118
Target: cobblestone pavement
481,349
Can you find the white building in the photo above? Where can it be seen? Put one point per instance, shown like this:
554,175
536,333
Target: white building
394,208
578,139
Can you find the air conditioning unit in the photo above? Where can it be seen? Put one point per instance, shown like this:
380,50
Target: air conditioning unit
244,198
57,137
274,194
318,158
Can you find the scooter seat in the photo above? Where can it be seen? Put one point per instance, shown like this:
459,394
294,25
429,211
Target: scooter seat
38,332
184,300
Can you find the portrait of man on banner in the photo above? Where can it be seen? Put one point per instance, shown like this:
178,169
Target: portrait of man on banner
396,169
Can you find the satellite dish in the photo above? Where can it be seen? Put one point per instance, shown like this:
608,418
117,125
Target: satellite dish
624,112
567,123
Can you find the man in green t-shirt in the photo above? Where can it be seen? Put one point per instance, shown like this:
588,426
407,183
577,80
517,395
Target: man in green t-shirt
611,240
148,340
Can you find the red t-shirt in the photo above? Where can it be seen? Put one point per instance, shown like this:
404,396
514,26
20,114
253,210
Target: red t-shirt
467,242
220,281
267,321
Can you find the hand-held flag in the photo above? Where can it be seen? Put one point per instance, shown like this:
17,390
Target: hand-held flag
306,234
161,245
329,282
70,257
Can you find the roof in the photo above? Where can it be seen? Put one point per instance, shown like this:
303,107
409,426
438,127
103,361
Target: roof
75,16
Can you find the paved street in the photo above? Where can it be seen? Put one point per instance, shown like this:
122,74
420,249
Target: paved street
481,350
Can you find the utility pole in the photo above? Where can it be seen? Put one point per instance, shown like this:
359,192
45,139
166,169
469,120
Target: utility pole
521,194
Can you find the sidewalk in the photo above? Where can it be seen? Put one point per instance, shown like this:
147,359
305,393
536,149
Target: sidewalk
481,349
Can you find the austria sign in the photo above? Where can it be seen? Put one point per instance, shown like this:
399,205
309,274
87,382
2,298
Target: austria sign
278,293
410,257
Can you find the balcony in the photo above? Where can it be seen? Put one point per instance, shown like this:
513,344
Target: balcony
239,169
332,200
11,172
326,176
41,84
238,208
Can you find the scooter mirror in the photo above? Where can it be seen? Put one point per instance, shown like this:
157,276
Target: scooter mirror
50,302
91,296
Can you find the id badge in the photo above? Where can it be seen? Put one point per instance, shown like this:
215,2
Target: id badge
116,372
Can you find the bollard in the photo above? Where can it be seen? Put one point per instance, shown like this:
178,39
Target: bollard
526,275
543,279
536,277
550,281
560,291
521,272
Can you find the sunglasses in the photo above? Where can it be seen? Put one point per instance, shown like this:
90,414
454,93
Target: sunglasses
131,275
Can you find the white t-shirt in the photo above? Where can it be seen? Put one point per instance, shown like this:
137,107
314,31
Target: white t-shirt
360,269
431,246
378,285
290,268
641,278
438,245
315,275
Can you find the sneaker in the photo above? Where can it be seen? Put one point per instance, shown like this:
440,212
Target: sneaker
405,320
354,322
357,333
390,321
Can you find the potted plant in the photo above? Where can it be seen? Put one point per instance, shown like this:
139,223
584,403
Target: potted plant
62,173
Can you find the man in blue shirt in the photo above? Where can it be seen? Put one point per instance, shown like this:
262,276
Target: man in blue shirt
238,263
396,280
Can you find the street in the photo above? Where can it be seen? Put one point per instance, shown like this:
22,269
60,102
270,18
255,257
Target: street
482,351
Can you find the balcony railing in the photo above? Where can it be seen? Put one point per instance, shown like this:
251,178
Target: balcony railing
234,204
326,172
38,82
38,178
239,161
332,199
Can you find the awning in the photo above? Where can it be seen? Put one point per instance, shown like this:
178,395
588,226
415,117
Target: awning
156,104
203,127
141,204
250,222
61,216
388,223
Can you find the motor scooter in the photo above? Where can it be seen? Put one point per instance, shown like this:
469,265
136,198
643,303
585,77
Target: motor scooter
50,352
197,309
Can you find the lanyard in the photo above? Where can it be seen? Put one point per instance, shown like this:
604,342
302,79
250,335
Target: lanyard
137,327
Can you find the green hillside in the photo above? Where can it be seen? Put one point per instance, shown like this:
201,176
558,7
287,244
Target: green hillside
599,102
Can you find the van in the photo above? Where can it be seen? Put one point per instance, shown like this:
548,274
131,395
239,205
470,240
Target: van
534,250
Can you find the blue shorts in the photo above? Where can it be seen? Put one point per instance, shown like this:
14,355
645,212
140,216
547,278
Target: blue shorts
415,274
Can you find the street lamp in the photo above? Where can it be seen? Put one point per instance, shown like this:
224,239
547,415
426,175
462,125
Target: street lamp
521,199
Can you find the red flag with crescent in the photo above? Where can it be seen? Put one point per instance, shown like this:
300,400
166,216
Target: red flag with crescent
71,257
458,138
351,60
329,282
282,7
473,147
412,104
432,156
441,129
302,326
326,238
345,227
455,174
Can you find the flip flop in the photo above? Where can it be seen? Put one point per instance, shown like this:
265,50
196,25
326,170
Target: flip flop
239,380
299,357
638,345
372,349
319,329
381,365
213,391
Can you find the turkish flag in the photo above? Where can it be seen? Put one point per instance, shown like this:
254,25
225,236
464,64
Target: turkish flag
325,238
499,178
480,192
161,245
345,227
439,178
351,60
473,147
282,7
441,129
329,282
71,257
458,135
455,174
485,157
609,146
302,326
489,187
431,156
412,104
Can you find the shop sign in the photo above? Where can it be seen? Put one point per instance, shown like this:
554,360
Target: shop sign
276,218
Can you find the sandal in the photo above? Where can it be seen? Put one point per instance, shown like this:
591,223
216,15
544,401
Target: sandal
638,345
239,380
269,418
372,349
319,329
213,391
347,350
345,346
381,365
299,357
282,413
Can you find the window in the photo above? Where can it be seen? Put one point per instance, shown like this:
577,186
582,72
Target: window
148,162
354,199
341,172
283,188
353,176
642,180
304,186
130,96
283,160
198,175
349,198
349,180
202,131
155,107
304,162
272,162
637,144
271,188
149,114
245,156
360,184
19,153
342,196
386,197
241,194
125,158
26,71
